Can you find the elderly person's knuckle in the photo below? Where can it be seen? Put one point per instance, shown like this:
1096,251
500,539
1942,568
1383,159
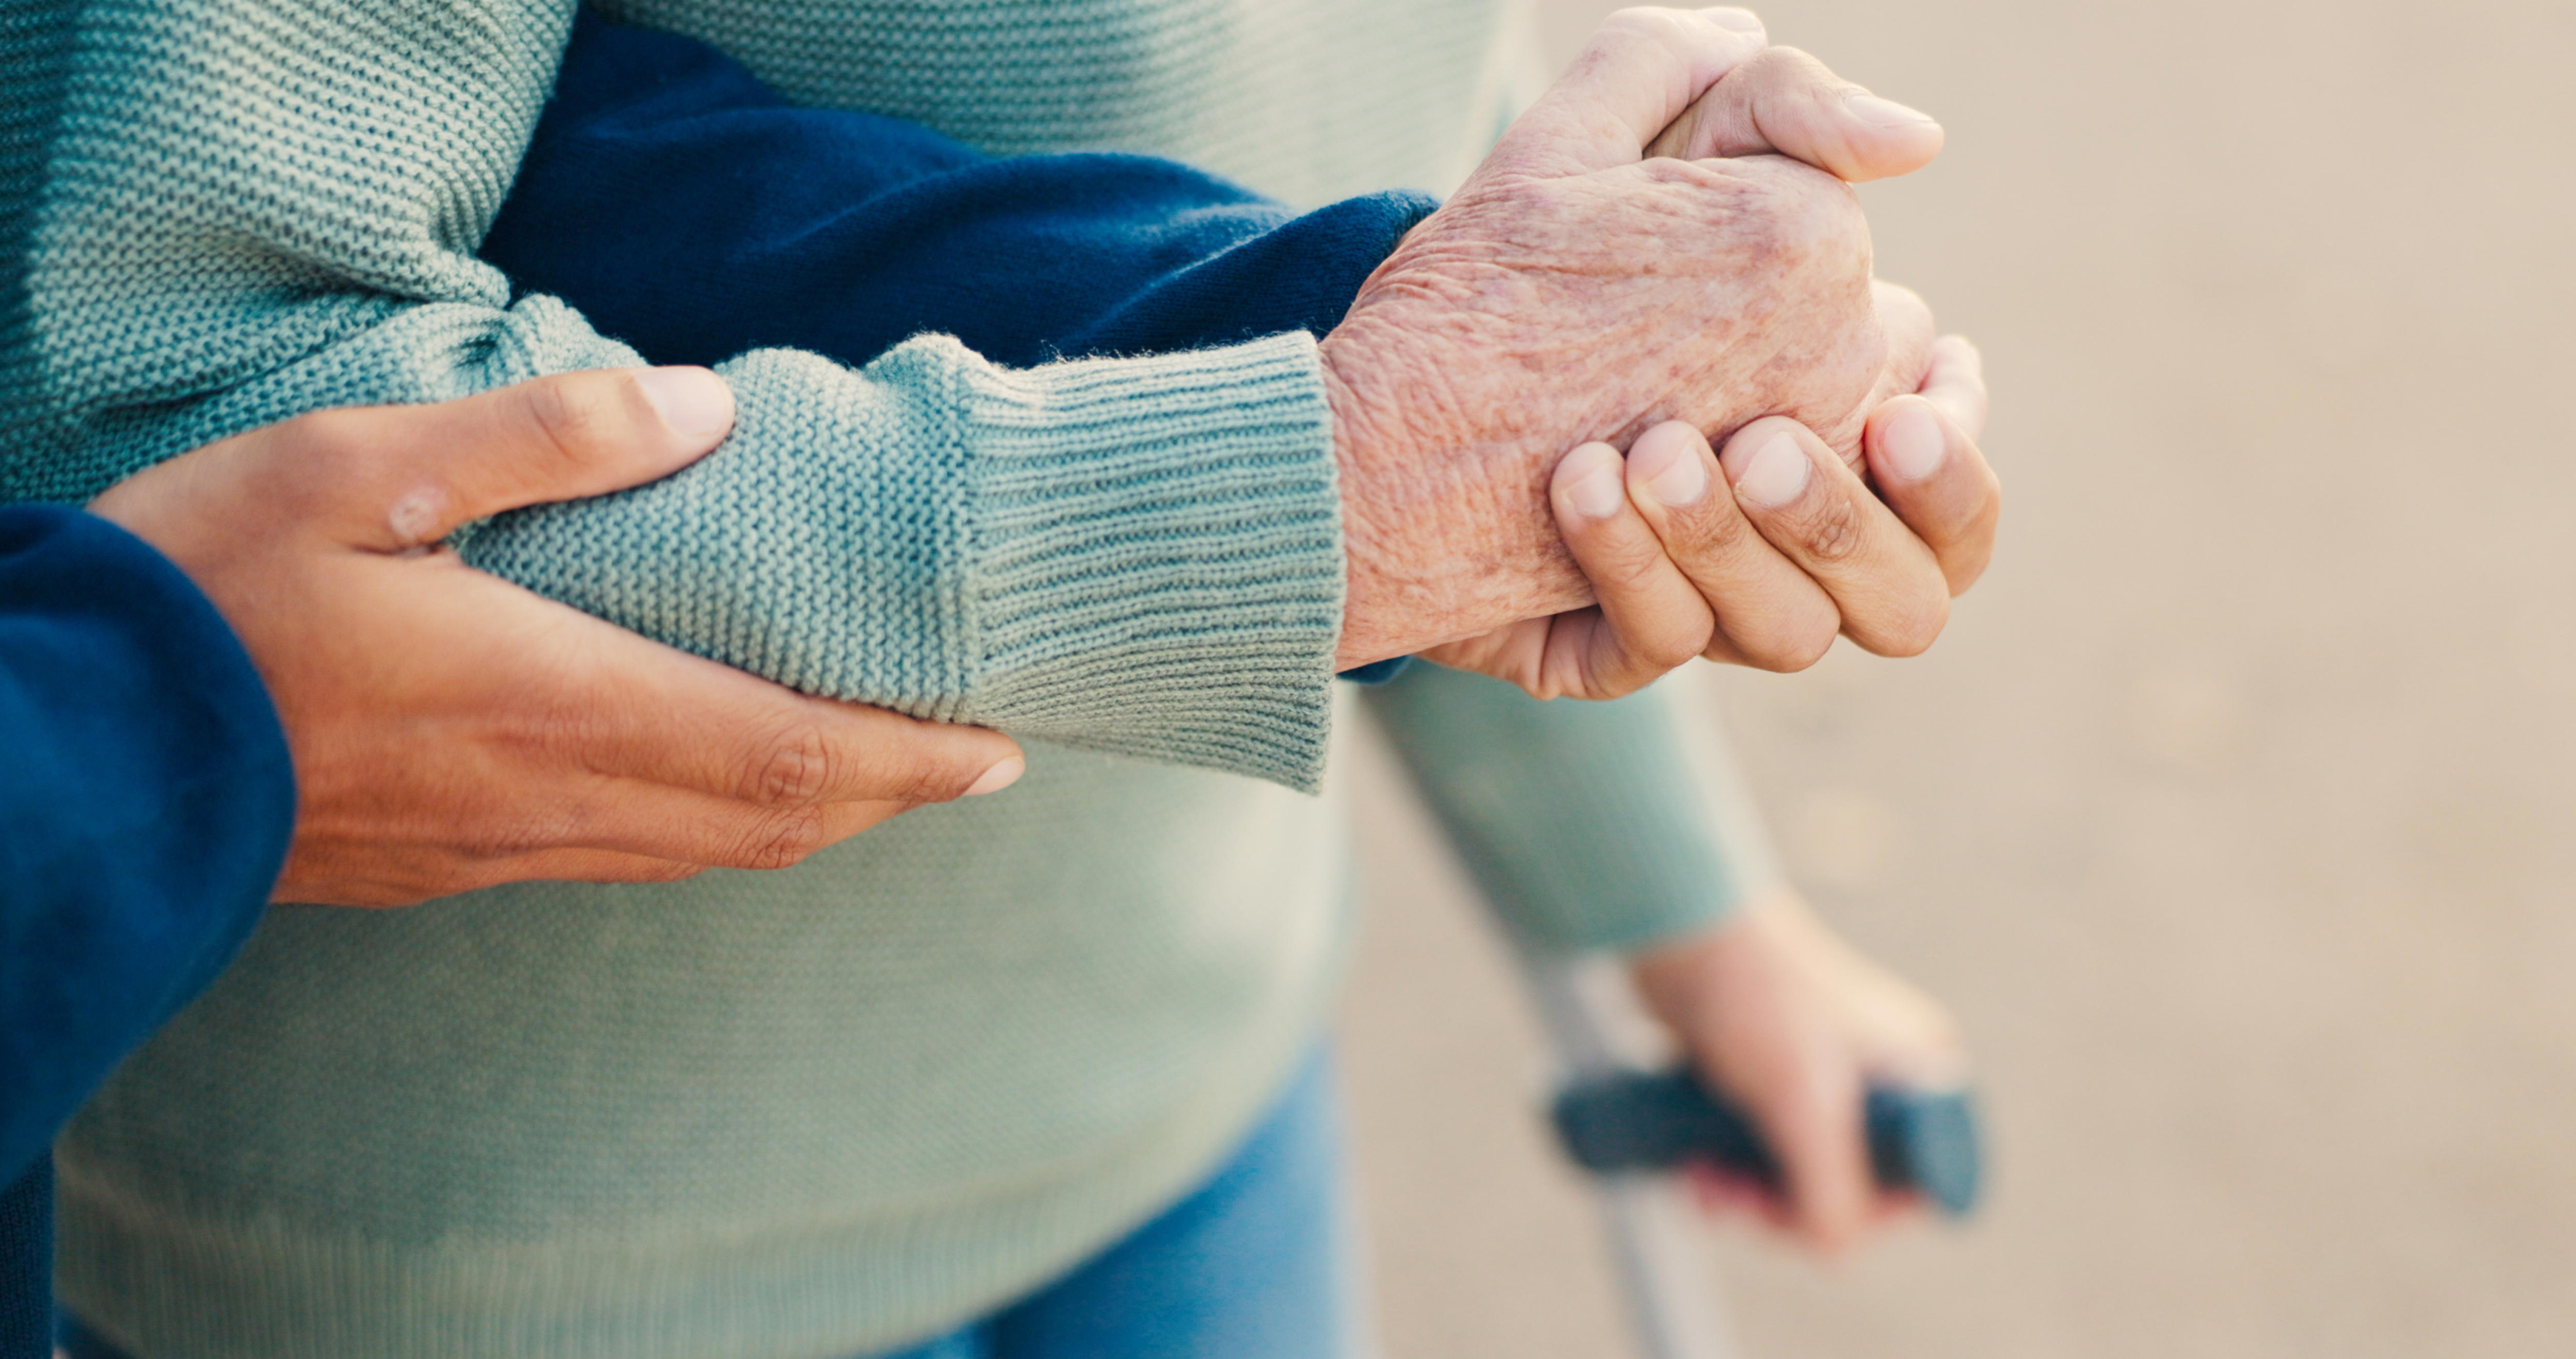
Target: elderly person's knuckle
1805,219
1798,72
1772,68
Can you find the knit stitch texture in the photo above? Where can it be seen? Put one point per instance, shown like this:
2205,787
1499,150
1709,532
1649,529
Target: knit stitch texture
812,1113
223,212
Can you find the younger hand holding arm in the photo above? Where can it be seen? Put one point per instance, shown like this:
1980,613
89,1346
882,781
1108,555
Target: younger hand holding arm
451,731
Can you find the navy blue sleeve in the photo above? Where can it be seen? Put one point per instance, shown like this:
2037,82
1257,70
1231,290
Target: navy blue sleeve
145,805
689,211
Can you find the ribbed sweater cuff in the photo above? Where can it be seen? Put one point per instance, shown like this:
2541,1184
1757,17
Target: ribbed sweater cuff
1158,557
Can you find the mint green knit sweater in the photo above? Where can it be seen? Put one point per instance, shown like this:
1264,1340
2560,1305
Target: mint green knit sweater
802,1114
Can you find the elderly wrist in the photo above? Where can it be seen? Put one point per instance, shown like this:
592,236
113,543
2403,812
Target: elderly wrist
1441,542
1372,629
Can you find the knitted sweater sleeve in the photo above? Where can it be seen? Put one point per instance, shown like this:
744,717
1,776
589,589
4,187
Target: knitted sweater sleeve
1586,825
220,213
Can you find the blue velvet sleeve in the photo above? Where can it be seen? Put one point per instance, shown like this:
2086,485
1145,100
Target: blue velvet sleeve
145,805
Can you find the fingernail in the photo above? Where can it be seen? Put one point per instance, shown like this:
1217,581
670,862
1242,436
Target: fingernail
1869,108
1597,494
998,777
1912,444
1741,20
1682,479
1776,473
695,403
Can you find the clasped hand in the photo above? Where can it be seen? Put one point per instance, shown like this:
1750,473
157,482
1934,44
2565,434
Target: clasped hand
1665,247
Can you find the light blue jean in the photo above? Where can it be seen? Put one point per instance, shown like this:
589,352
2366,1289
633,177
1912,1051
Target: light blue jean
1258,1262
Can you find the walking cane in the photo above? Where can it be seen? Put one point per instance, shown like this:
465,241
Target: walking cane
1632,1126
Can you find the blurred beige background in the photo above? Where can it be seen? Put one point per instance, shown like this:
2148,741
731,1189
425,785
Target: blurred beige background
2230,813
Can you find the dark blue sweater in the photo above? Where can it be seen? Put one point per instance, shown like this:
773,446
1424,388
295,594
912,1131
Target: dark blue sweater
144,813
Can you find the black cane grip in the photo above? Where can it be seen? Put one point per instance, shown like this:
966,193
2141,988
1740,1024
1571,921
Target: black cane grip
1647,1120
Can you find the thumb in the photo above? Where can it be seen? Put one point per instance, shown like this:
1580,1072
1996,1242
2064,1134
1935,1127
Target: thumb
1641,70
422,471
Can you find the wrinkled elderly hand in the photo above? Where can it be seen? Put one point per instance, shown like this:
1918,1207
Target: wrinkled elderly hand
451,731
1573,293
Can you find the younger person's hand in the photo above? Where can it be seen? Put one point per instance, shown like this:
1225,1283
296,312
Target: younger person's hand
452,731
1769,575
1792,1024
